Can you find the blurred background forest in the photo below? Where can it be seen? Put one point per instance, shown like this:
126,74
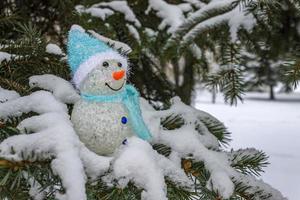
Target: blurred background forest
230,46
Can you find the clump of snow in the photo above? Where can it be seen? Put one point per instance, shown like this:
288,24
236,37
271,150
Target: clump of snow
5,56
185,7
102,13
6,95
106,9
134,32
137,163
150,32
172,169
54,49
39,102
95,165
122,7
196,51
196,3
240,18
213,65
61,89
171,15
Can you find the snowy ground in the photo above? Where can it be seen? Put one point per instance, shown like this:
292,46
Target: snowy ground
270,126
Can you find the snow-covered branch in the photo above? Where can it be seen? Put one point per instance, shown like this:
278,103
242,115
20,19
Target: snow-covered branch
61,89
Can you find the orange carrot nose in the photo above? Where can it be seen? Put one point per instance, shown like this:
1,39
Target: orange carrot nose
118,74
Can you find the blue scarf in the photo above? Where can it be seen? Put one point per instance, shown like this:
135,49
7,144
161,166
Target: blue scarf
130,98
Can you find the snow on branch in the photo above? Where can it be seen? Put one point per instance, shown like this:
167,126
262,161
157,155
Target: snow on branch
39,102
258,188
53,137
50,136
54,49
134,32
188,141
236,17
61,89
95,165
172,169
6,95
5,56
212,15
136,162
171,15
106,9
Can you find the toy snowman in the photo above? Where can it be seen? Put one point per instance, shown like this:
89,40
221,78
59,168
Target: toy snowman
108,111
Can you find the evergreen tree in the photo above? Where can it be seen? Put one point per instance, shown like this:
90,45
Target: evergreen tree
167,60
267,56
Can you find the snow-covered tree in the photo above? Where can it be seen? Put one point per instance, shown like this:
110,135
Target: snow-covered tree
41,156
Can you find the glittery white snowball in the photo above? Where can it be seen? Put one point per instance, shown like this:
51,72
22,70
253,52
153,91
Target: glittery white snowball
99,125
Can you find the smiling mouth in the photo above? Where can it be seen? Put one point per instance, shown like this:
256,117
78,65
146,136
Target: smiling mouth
114,89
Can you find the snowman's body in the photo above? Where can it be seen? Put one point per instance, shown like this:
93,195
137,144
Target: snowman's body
108,111
100,126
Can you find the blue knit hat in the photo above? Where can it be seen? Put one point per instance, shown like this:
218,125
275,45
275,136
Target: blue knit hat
86,52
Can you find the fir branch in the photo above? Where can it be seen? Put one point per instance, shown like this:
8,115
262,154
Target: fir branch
177,193
291,73
13,85
228,80
162,149
249,161
100,191
172,122
188,28
10,20
215,127
252,5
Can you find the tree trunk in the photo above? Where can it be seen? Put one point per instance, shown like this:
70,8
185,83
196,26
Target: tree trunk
272,95
186,89
214,96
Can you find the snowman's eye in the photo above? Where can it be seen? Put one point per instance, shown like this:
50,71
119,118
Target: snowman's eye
119,64
105,64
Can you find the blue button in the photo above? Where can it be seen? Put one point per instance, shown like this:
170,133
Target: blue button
124,120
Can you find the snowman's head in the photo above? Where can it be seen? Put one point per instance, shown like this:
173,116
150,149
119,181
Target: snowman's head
96,67
107,78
